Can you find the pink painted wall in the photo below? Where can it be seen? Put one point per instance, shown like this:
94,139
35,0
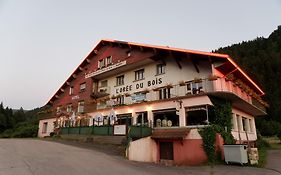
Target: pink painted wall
189,152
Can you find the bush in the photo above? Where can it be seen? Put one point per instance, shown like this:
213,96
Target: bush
279,135
25,131
6,134
52,134
261,143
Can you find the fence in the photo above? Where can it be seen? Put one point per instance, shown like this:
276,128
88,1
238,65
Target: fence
133,131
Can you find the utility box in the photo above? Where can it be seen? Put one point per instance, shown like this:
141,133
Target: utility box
235,153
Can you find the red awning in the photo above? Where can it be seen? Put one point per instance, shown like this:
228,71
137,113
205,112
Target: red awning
170,133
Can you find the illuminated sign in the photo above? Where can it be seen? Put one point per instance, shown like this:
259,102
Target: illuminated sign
106,69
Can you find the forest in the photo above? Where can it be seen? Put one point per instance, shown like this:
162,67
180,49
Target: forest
260,58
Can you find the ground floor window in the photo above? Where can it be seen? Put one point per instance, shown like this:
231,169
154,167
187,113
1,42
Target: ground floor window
124,119
166,118
45,127
197,116
142,119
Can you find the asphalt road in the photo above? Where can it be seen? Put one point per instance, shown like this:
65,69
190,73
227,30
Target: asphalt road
38,157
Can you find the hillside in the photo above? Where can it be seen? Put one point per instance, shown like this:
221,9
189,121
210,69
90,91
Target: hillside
261,59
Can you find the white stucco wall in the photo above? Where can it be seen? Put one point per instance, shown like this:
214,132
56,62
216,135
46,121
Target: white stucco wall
50,127
173,75
144,150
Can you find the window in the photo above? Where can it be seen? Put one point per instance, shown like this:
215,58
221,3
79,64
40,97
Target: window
139,74
101,63
120,80
103,83
165,118
164,93
69,108
196,115
108,60
194,88
251,125
240,126
82,87
160,69
245,123
81,107
142,118
71,90
120,100
58,109
45,127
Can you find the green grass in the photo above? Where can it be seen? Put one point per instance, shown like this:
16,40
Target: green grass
274,142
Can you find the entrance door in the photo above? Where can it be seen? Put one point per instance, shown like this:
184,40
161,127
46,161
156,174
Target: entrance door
166,151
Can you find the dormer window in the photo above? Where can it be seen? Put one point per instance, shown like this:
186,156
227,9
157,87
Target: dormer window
108,60
105,62
101,63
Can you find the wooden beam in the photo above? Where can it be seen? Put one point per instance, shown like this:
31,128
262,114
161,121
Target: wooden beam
176,58
195,65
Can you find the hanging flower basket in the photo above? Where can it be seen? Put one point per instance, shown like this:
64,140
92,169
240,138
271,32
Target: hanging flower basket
145,91
182,83
127,94
169,86
229,77
156,89
197,80
212,77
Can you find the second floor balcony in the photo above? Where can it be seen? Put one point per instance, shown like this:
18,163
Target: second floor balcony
218,87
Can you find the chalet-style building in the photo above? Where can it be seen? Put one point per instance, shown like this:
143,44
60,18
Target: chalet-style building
170,90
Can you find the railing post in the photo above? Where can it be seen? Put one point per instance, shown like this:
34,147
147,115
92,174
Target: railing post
93,127
79,127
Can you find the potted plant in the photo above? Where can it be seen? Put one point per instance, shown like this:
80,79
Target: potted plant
169,85
229,77
127,94
212,77
182,83
156,89
197,80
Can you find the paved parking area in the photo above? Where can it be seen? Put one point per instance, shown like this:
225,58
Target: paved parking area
39,157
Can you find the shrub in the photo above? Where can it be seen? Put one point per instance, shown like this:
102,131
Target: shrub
6,134
25,131
279,135
261,143
208,135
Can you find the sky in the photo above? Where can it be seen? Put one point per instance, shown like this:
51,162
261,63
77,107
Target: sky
43,41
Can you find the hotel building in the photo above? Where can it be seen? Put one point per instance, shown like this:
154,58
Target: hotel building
170,90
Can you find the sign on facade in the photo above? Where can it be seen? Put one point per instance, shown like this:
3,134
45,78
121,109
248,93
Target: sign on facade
119,130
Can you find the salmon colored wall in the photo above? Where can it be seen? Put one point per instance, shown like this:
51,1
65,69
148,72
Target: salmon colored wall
189,152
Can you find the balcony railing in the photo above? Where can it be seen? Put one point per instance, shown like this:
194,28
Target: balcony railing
192,88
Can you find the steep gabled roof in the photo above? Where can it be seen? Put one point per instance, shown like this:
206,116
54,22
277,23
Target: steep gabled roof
167,48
